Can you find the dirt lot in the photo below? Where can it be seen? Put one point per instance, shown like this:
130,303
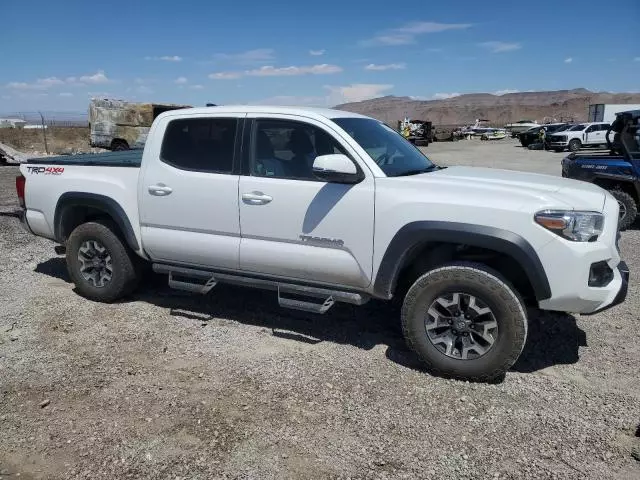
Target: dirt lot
169,385
60,140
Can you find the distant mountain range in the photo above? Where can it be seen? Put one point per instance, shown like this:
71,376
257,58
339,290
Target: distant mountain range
556,105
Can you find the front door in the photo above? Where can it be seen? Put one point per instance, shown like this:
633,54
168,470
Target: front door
294,225
188,193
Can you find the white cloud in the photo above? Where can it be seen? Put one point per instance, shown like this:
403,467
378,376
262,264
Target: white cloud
258,55
109,95
444,96
39,84
389,66
284,100
270,71
65,94
316,53
181,80
568,60
19,85
97,78
505,91
50,82
499,47
196,87
407,33
636,59
356,92
165,58
144,89
225,75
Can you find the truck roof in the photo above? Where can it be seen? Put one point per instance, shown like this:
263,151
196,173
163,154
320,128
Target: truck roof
310,112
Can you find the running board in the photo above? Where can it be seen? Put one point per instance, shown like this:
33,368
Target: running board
191,284
290,295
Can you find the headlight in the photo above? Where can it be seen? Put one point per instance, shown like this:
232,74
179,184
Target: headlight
574,226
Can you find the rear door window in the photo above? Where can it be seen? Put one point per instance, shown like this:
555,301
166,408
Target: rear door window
200,144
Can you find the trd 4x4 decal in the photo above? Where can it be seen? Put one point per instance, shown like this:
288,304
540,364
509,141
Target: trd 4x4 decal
46,170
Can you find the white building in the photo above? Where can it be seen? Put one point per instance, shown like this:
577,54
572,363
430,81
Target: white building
12,123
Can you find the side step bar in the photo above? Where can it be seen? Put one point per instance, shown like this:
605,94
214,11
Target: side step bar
290,295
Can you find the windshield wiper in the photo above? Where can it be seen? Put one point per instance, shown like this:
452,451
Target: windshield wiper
417,171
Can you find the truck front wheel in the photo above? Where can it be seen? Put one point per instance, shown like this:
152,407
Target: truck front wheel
575,145
464,321
628,208
101,266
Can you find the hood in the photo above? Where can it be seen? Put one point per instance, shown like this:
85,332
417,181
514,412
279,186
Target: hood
518,187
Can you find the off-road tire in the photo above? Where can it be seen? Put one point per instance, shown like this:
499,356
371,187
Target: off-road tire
575,145
126,269
119,145
630,206
488,286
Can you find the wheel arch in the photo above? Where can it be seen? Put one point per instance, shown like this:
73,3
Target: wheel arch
411,239
74,208
119,141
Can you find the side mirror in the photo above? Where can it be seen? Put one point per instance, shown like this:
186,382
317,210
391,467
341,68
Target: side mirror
336,168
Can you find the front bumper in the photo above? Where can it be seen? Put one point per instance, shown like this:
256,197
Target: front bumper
569,265
620,297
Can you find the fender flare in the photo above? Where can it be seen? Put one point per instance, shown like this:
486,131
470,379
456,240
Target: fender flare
414,235
99,202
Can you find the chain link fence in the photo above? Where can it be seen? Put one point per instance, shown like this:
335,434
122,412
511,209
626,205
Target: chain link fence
45,132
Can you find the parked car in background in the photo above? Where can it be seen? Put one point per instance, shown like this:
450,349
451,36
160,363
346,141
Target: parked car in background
418,132
578,136
533,134
119,125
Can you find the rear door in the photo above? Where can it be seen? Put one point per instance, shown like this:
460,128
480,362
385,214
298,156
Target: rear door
188,191
294,225
596,134
590,134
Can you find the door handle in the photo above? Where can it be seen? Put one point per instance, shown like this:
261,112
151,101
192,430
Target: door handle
159,190
256,198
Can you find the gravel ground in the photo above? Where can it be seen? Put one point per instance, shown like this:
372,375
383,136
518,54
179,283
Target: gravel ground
171,385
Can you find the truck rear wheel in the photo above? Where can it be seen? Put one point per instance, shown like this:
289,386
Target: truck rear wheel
628,208
101,266
464,321
119,145
575,145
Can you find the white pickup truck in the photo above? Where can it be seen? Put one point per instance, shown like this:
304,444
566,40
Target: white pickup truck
582,135
327,206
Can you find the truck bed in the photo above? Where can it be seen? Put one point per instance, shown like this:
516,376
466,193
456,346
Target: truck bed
125,158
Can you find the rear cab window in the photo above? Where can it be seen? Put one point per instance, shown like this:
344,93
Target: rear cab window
200,144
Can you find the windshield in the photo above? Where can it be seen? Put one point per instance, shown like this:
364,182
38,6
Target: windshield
577,128
393,154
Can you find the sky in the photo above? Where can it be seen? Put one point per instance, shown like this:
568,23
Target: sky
55,56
